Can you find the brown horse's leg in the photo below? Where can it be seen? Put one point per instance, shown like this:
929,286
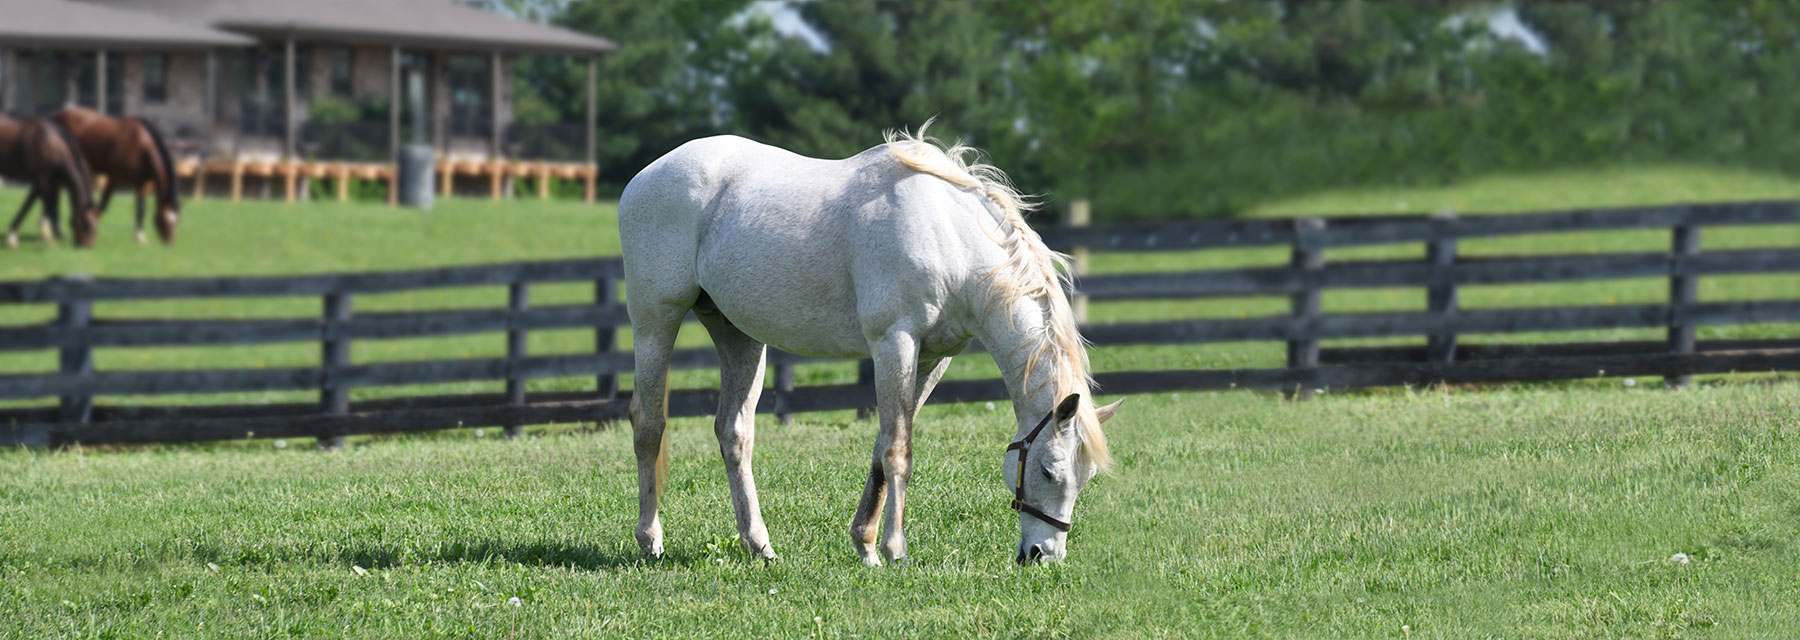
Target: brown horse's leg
12,233
105,199
140,212
50,224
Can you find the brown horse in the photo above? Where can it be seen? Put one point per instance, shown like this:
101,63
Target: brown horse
130,153
42,154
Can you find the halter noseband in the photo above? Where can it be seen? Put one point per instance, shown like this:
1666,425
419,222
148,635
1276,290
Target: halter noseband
1024,446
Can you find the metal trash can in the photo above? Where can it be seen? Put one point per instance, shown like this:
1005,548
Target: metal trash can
417,166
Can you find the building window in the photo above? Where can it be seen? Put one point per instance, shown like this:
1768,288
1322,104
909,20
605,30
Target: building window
343,61
470,100
156,78
256,81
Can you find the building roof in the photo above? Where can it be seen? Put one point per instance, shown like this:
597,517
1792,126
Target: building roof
434,24
59,24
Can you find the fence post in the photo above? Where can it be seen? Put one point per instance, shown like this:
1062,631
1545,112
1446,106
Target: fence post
75,316
606,338
1440,296
518,299
1307,259
865,382
784,385
334,396
1684,290
1080,216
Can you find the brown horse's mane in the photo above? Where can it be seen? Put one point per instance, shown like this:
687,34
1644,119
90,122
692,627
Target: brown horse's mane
170,194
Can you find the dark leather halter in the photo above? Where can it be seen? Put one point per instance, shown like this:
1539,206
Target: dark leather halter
1019,504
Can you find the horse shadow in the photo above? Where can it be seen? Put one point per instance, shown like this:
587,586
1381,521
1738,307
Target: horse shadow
378,554
537,553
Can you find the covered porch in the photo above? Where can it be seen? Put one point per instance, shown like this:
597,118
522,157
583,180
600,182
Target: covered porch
267,97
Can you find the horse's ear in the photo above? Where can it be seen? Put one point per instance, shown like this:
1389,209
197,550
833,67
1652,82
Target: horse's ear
1106,412
1066,408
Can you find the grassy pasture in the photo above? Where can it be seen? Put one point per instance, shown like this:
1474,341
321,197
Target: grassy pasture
1548,512
1526,511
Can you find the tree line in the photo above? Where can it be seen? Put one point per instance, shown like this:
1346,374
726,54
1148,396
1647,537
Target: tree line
1195,108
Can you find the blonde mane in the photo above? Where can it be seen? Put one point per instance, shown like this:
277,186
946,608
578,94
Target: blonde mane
1031,271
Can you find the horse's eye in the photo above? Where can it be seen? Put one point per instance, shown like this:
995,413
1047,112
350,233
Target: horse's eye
1047,475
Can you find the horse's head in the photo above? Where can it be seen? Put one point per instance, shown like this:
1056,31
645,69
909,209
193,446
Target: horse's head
1045,469
167,216
84,222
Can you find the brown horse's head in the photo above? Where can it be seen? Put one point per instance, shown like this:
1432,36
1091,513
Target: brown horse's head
84,222
167,216
168,191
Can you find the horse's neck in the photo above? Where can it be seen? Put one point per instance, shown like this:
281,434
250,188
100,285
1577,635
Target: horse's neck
1011,337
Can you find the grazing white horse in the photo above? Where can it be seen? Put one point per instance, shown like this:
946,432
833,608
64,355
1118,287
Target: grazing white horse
902,253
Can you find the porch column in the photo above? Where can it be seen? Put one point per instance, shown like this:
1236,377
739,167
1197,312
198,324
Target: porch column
9,71
292,128
100,81
210,108
394,105
592,97
498,73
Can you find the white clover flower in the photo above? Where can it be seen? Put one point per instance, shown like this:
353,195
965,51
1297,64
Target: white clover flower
515,601
480,433
1679,558
990,406
281,444
772,591
1630,382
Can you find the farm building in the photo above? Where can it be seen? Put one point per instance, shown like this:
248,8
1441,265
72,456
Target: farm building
286,91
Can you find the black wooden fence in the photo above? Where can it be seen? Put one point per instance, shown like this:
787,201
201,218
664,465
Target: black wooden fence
75,332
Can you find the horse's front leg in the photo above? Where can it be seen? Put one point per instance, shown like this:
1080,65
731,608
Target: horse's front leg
12,233
863,528
106,194
142,192
50,223
896,364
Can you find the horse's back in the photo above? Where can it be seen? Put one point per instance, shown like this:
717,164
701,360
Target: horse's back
809,255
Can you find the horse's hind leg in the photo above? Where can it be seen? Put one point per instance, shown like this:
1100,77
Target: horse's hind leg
654,324
12,233
741,361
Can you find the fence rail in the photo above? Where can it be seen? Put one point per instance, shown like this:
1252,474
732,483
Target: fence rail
75,332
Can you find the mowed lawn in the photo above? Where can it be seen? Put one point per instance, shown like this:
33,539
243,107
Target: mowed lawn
1541,513
1585,509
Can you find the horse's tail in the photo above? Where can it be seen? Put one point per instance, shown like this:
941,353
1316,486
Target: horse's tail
74,166
170,193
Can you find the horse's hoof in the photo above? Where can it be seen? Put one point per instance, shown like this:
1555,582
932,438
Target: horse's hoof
12,240
871,560
901,561
141,239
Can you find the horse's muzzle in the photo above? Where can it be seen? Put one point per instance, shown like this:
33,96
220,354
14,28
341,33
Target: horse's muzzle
1031,555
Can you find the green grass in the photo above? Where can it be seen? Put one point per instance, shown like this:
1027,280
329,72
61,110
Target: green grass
1529,512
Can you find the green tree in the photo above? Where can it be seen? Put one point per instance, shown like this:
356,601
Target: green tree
662,86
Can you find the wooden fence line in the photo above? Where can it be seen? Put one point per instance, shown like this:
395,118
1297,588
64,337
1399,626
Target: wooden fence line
74,333
1199,284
